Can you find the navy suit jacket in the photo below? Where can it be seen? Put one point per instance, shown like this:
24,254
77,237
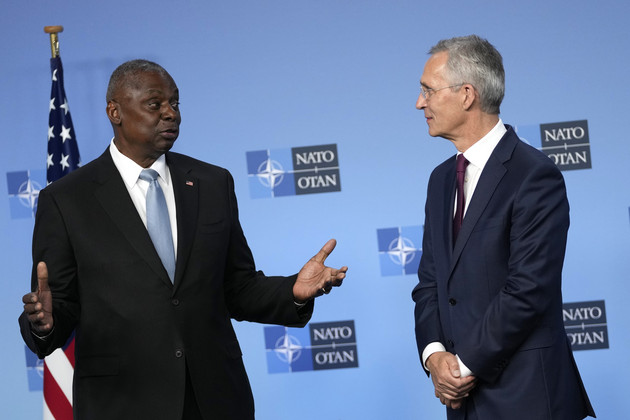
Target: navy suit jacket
136,332
494,296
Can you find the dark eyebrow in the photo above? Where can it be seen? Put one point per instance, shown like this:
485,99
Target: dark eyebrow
153,93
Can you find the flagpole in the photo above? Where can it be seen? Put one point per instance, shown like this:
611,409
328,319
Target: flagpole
54,40
62,158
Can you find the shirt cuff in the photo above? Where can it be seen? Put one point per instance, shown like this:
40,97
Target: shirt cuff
435,347
431,348
463,369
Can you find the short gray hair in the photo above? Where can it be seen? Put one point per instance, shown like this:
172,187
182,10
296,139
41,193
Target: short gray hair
126,72
474,60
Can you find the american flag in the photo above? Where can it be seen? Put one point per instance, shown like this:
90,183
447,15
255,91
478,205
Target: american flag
63,158
63,152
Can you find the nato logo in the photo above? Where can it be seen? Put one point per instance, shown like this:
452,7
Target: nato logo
566,143
295,171
34,371
324,345
24,187
400,249
585,324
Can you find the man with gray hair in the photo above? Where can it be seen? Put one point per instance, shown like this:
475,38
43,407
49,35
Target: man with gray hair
488,313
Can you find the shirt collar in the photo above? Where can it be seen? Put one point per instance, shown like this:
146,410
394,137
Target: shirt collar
130,170
479,153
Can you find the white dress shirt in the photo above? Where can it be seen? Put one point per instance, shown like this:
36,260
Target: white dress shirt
130,173
477,156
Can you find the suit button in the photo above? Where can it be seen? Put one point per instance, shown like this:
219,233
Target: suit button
452,302
175,302
450,343
179,353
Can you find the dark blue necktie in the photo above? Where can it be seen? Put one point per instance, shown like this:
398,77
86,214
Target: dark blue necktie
158,222
462,163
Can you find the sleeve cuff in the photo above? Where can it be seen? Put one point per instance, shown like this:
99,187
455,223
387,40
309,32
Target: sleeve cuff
431,348
43,337
463,369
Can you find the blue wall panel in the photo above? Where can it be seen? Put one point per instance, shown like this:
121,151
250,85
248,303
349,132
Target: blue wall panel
278,75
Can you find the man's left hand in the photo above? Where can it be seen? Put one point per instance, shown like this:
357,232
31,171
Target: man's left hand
316,279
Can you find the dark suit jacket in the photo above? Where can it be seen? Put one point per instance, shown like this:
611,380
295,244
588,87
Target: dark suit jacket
135,331
494,297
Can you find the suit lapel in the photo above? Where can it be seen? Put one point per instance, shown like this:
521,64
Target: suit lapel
490,178
186,189
112,194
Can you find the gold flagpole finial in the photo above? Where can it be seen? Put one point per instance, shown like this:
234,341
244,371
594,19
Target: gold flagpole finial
54,40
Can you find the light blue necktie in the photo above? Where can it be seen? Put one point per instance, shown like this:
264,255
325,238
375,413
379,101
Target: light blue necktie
158,222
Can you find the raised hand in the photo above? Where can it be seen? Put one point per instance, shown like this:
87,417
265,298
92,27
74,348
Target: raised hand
315,279
38,304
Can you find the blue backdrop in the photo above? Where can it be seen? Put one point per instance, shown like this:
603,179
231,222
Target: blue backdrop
277,75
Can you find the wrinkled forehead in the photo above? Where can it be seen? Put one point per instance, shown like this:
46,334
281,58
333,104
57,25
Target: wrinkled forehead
140,81
435,70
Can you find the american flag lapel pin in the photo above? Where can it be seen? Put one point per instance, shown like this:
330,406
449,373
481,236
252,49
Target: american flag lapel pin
189,183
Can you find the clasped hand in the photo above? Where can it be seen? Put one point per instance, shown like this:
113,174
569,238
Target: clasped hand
450,387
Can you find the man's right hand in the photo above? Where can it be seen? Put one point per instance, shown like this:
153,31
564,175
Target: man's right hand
450,387
38,304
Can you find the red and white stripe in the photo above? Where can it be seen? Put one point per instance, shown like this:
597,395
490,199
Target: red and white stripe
58,372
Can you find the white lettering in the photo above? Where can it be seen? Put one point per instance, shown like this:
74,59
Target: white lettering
583,338
568,158
332,333
569,133
334,357
317,181
319,156
582,314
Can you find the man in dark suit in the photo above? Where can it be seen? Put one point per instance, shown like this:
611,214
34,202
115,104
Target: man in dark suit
488,314
154,344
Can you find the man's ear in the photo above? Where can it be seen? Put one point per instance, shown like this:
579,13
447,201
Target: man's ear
470,96
113,112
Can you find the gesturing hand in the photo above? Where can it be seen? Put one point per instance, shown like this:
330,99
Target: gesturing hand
38,304
315,279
